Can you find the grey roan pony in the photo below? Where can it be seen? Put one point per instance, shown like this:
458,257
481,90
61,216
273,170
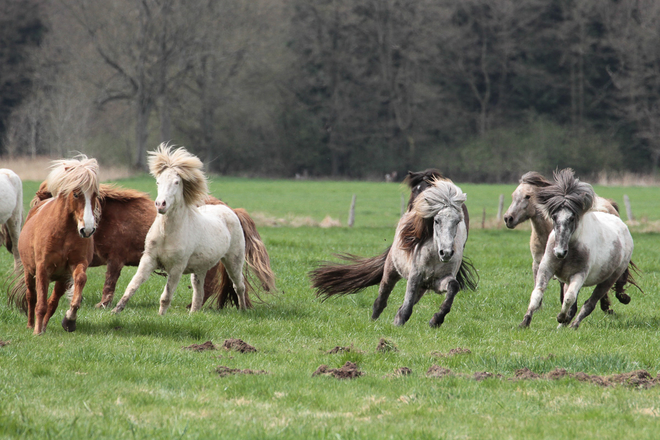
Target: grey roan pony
585,248
427,251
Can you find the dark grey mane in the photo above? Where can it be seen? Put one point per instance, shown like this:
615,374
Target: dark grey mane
535,179
566,192
418,181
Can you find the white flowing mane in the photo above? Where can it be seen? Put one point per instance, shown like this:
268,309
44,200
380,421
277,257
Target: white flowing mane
440,194
67,175
187,166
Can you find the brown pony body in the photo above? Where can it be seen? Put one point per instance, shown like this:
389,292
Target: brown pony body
53,245
126,217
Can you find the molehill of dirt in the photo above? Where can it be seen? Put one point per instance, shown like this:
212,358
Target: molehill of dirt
635,379
348,371
3,343
238,345
223,371
229,344
338,349
385,346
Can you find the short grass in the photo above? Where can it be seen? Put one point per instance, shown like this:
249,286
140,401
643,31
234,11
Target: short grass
128,376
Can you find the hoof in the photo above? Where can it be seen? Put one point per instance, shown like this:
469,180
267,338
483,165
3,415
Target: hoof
68,325
116,311
437,320
609,312
102,305
525,322
563,318
623,298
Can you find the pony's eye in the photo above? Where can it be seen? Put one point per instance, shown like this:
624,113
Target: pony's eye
528,196
76,195
176,183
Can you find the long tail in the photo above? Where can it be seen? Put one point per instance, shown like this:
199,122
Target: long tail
347,278
626,278
17,290
257,271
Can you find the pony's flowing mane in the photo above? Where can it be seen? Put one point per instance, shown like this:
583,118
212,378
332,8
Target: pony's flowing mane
106,192
535,179
420,180
566,192
186,165
417,226
68,175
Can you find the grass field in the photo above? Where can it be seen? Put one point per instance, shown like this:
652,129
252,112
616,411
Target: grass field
129,377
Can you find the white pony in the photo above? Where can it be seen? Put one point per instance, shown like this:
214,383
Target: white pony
187,236
427,251
11,210
585,248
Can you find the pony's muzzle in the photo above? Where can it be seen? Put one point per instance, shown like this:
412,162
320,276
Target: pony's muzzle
446,255
560,253
161,206
508,221
86,233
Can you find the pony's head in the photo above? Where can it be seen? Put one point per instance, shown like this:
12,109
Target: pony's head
179,177
523,199
442,202
76,181
565,201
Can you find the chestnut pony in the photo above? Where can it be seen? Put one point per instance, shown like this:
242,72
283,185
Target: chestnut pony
126,217
56,243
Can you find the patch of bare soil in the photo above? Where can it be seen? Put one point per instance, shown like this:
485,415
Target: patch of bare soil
208,345
348,371
483,375
399,372
525,374
339,349
385,346
3,343
238,345
452,352
223,371
438,371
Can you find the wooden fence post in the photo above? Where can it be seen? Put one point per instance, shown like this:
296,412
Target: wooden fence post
500,207
483,220
626,201
351,213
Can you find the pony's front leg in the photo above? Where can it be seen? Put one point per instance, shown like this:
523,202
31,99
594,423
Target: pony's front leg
173,277
198,291
146,266
112,272
79,281
569,307
41,303
451,286
599,293
542,279
413,292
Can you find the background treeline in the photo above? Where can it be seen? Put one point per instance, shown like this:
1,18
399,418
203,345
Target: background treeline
483,89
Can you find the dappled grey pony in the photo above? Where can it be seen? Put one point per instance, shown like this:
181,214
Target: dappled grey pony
585,248
427,251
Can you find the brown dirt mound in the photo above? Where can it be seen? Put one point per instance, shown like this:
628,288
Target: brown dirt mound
525,374
384,346
483,375
348,371
638,378
208,345
339,349
226,371
3,343
438,371
238,345
452,352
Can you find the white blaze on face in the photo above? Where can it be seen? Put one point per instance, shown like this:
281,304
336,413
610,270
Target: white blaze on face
169,191
88,224
564,221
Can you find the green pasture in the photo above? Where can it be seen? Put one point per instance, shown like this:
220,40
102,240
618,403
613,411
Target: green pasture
128,376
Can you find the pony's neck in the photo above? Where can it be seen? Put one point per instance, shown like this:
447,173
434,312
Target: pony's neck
176,216
541,226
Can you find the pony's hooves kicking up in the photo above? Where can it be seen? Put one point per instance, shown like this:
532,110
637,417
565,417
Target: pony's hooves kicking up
623,298
68,325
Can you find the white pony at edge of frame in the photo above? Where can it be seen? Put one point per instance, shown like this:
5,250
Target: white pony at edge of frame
11,210
187,236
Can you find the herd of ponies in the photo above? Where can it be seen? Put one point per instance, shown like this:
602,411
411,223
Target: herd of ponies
75,222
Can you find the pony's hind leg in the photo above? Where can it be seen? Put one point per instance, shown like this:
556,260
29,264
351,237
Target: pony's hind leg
234,266
112,272
390,278
452,288
31,298
79,281
589,305
198,291
41,300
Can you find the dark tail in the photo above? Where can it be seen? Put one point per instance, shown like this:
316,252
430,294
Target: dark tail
257,267
626,278
347,278
467,276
